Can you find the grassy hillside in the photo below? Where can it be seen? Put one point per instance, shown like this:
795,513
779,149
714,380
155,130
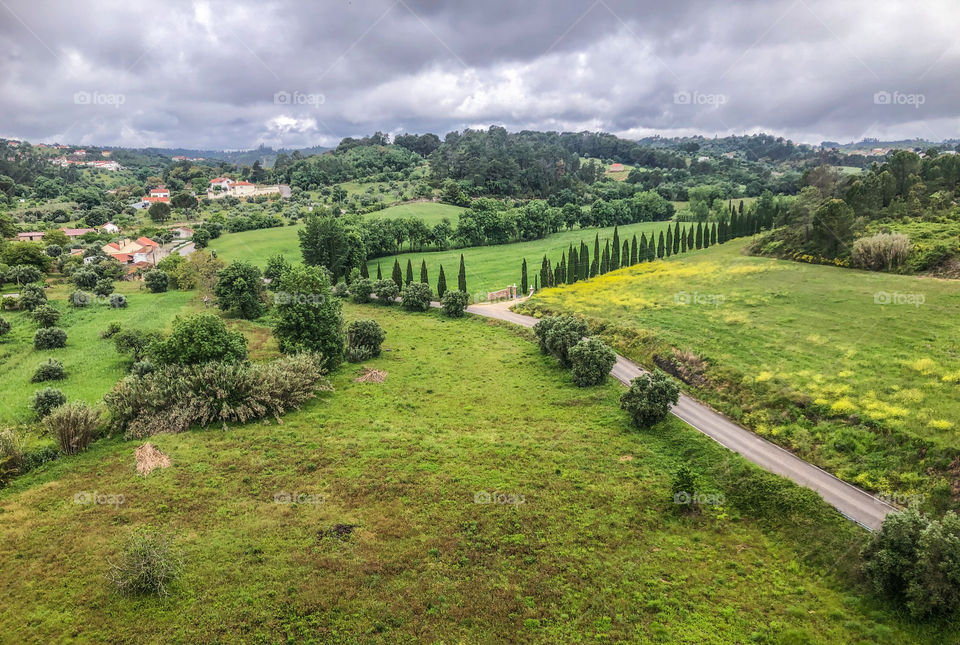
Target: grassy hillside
395,549
820,359
92,363
430,212
494,267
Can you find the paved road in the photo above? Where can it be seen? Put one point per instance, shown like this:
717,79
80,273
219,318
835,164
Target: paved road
852,502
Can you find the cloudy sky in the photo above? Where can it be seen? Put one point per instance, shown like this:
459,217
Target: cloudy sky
233,75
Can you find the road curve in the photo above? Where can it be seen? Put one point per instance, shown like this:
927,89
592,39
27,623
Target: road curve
852,502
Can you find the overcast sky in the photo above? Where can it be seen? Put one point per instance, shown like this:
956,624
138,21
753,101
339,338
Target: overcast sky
232,75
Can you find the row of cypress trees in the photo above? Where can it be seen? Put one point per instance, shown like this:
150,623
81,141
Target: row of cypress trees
398,276
576,263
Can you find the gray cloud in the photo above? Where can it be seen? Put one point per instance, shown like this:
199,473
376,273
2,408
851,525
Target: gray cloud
213,74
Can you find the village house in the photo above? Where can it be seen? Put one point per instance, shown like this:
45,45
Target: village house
616,167
111,228
31,236
74,233
223,186
160,191
182,232
127,251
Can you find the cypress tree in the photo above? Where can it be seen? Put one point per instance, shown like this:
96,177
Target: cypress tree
741,207
699,240
558,275
544,282
573,268
690,238
584,268
536,283
625,253
523,278
462,276
615,251
441,283
642,248
706,235
676,238
594,267
379,272
660,246
397,274
561,273
550,275
713,234
605,260
423,272
409,272
596,254
669,246
633,250
683,240
364,271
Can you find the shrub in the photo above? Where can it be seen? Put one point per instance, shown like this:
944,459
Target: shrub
683,487
80,299
118,301
31,297
23,274
309,318
73,425
111,330
46,315
358,353
199,339
240,290
416,296
148,565
52,370
366,333
156,280
49,338
386,291
4,327
360,290
85,278
142,368
134,341
591,360
930,257
649,398
881,252
103,288
558,335
174,397
11,450
341,290
46,399
454,303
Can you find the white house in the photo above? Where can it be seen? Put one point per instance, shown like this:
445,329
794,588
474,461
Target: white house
160,191
111,228
182,232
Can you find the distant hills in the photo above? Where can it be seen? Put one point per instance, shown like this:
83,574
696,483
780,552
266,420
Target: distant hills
264,154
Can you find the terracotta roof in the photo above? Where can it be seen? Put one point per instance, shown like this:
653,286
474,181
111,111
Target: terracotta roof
242,183
146,241
75,232
156,199
114,245
122,257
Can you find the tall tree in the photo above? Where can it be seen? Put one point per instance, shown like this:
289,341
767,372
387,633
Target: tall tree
625,253
584,261
713,234
699,239
441,283
379,272
397,274
423,272
676,238
596,255
633,250
642,248
605,260
615,250
683,240
573,266
462,276
409,272
523,278
690,238
668,248
660,246
364,271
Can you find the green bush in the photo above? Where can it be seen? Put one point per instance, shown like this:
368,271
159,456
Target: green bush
112,328
73,425
358,353
558,335
341,290
416,296
46,315
103,288
31,297
366,333
454,303
649,398
386,291
46,399
156,280
591,361
683,488
142,368
198,339
240,290
80,299
118,301
11,451
134,341
360,290
309,318
4,327
52,370
174,397
85,279
49,338
148,564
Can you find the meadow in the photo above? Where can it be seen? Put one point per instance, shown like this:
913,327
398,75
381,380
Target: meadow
92,364
855,371
393,541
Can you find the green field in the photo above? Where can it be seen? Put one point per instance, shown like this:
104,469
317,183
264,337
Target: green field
92,364
810,356
430,212
490,268
596,551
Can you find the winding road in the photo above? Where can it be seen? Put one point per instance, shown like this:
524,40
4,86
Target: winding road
852,502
